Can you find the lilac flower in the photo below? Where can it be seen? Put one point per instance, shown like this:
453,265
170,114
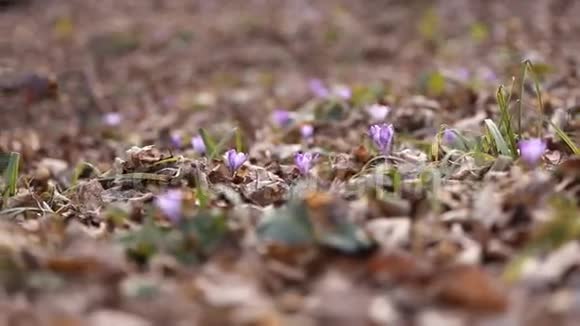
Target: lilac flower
234,160
175,140
531,150
307,131
198,144
318,88
112,119
281,118
343,92
489,75
378,112
449,137
382,136
463,74
170,204
304,161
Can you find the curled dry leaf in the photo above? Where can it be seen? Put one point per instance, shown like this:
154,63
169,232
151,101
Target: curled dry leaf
398,268
390,233
88,196
469,287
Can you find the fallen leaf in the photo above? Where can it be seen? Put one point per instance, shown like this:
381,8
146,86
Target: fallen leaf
469,287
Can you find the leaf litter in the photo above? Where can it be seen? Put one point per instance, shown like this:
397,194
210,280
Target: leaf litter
301,163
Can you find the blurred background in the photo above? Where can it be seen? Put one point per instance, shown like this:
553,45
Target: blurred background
70,67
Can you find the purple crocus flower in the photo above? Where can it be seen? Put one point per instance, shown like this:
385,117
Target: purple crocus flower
489,75
463,74
112,119
234,160
175,140
198,144
318,88
170,204
449,137
304,161
307,131
382,136
378,112
281,118
343,92
532,150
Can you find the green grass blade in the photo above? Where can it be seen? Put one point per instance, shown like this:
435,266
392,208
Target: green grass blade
9,166
498,139
137,176
530,66
200,191
565,138
397,180
239,141
208,142
521,100
202,197
4,161
506,120
434,148
212,148
223,142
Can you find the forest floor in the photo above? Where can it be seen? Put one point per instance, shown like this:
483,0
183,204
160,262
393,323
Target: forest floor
120,205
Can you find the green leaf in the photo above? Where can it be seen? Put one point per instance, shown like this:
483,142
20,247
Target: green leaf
498,139
207,229
330,110
288,225
345,237
143,243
